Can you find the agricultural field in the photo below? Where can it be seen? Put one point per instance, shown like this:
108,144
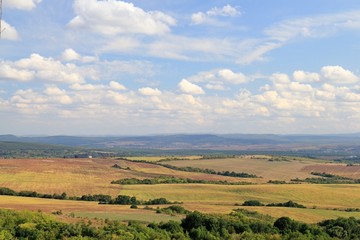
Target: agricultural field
162,158
79,177
273,168
72,209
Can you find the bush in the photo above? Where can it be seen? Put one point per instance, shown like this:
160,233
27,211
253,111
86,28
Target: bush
252,203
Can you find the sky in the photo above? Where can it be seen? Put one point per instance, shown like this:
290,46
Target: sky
88,67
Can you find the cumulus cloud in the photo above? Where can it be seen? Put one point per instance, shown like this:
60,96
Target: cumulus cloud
116,86
22,4
48,69
190,88
209,16
280,99
147,91
119,17
8,31
280,78
69,55
54,91
339,75
219,78
7,72
302,76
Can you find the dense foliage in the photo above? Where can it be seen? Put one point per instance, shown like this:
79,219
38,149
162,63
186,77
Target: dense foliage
286,204
172,180
290,204
197,226
172,210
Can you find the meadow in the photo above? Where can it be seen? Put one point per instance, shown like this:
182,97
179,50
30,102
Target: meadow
79,177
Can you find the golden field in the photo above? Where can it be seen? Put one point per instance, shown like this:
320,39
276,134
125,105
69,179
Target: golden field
78,177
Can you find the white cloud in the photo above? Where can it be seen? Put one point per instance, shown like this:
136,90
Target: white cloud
280,78
8,31
37,67
86,87
22,4
70,55
116,86
57,96
147,91
339,75
219,78
230,76
190,88
198,18
281,99
54,91
119,17
8,72
225,11
48,69
302,76
209,16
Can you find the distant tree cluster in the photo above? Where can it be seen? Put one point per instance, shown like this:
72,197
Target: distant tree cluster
328,175
172,180
290,204
10,192
327,178
211,171
119,167
172,210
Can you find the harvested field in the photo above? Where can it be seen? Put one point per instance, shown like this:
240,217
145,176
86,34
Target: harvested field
83,209
269,170
336,169
77,177
322,196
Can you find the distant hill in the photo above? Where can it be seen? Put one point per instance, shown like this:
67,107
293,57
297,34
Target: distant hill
193,141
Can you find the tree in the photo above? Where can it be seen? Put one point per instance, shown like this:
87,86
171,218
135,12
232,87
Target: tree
285,225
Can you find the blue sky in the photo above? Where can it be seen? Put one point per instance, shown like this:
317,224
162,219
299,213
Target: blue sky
87,67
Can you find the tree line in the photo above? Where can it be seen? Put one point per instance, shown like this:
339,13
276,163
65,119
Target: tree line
197,226
101,198
172,180
201,170
290,204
